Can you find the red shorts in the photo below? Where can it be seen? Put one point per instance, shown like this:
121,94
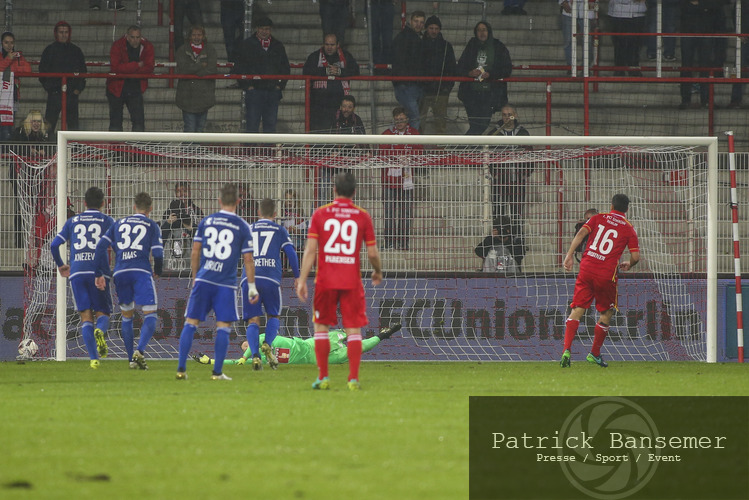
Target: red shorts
589,287
353,307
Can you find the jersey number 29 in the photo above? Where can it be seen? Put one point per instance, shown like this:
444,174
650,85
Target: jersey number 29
346,231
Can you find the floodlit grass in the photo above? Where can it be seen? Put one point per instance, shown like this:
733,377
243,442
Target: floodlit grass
72,432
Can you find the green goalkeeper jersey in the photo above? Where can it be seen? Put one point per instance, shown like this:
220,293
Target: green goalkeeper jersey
297,351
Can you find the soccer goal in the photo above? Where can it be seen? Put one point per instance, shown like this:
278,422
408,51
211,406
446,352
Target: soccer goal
434,200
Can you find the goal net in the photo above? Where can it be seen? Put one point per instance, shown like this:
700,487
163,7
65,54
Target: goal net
434,201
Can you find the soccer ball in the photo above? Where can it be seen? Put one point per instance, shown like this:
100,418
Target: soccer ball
27,348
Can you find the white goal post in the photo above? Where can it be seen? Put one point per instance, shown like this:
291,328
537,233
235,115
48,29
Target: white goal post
434,285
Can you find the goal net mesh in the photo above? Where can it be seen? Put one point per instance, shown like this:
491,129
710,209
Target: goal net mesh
433,209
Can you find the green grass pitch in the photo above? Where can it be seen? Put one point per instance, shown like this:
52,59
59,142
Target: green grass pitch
72,432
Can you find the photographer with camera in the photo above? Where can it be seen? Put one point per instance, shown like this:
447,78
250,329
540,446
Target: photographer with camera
501,251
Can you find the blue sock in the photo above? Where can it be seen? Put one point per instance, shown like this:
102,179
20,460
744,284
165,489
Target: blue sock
221,348
127,336
146,331
253,338
102,323
185,343
271,330
87,331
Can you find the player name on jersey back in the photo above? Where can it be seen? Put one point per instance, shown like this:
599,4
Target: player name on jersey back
224,237
269,238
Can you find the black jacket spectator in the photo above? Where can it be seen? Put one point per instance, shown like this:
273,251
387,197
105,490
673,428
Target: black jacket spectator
326,95
439,60
407,54
62,58
499,66
252,59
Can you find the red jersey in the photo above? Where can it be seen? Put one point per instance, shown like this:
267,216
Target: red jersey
340,228
399,176
609,234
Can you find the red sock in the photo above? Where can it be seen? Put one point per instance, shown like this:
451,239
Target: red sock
322,350
570,330
599,335
354,356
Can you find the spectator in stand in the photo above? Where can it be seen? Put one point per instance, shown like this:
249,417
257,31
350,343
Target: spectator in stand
565,8
486,60
12,62
398,183
248,207
33,128
182,9
509,178
334,15
698,16
325,96
62,57
346,120
196,97
737,90
130,55
501,251
669,24
232,24
293,219
627,16
408,60
180,221
261,54
514,8
439,61
381,27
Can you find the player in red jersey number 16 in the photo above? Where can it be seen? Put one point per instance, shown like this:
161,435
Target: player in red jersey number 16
609,234
338,230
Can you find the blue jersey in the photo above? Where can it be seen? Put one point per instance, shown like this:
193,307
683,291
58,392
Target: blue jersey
134,239
224,237
269,239
82,233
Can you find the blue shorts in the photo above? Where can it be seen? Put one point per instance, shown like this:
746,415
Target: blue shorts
205,297
135,286
86,296
270,299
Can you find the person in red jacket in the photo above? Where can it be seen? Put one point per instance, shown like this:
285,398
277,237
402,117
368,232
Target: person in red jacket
398,182
132,54
12,61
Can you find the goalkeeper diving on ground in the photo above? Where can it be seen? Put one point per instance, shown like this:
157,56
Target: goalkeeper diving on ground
298,351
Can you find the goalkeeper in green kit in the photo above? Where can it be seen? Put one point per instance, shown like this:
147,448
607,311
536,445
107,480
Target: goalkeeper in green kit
298,351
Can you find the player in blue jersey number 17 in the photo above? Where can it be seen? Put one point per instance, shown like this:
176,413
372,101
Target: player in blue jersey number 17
82,233
218,243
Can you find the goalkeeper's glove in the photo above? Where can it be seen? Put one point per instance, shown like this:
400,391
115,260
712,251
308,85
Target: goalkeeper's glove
201,358
251,290
241,360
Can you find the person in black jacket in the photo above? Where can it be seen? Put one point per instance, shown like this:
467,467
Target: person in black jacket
261,54
180,221
698,16
408,60
503,242
62,56
325,97
486,60
439,60
509,178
